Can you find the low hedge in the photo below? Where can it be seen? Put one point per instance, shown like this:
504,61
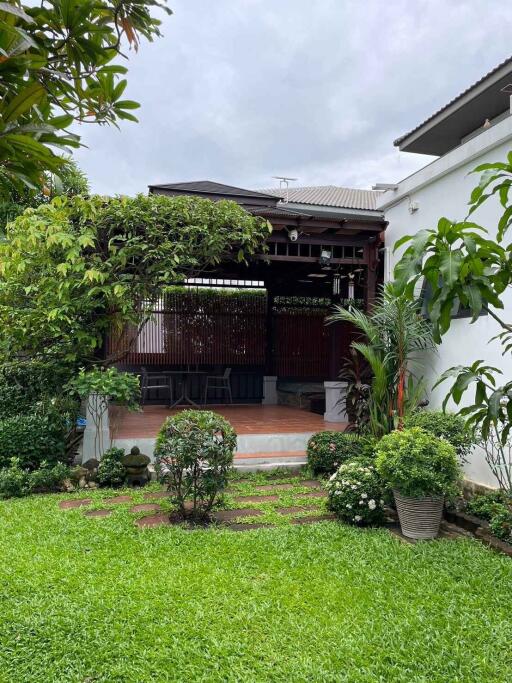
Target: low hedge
326,451
33,439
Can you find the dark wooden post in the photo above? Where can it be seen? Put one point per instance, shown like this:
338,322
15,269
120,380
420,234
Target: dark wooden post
371,260
269,332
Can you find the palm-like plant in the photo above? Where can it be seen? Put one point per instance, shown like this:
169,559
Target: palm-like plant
393,334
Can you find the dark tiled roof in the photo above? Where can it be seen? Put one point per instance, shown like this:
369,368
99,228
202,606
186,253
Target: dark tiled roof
507,61
328,195
209,187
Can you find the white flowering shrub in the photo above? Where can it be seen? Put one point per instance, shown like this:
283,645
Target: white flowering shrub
356,493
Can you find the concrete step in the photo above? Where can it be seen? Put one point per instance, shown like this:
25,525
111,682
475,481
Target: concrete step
263,461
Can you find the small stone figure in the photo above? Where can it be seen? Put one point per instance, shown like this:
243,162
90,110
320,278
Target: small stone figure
136,465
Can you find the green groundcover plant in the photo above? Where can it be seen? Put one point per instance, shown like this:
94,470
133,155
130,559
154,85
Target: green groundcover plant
327,450
194,452
418,464
447,426
356,493
496,508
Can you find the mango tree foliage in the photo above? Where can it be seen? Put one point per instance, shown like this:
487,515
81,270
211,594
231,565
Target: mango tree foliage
466,265
73,269
58,66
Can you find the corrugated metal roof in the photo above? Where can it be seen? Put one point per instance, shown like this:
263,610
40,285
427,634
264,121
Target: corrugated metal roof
209,187
328,195
507,61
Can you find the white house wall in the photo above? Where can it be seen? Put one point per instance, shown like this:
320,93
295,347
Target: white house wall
442,189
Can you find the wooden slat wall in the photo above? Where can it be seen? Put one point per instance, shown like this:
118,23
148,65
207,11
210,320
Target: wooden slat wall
199,327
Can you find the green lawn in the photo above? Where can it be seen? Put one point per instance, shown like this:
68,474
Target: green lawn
92,600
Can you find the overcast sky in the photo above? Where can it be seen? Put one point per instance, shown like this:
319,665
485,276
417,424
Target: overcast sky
238,91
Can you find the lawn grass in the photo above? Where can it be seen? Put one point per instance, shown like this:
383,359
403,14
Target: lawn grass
100,600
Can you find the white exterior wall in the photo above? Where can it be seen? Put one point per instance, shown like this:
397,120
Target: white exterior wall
442,189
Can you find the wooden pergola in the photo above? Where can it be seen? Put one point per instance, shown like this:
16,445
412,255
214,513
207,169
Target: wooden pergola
316,256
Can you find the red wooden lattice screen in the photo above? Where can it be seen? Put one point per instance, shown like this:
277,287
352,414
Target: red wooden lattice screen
192,326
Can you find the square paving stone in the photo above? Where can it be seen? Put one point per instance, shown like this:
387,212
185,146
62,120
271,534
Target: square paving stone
256,499
118,499
312,483
272,487
228,515
78,503
154,520
97,513
145,507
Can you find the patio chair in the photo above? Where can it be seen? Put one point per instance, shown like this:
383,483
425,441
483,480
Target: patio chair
152,380
220,383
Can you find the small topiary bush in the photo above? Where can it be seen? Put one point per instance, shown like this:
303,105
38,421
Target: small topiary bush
194,452
13,480
446,426
356,493
111,471
418,464
326,451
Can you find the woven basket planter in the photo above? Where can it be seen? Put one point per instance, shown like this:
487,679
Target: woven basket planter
419,517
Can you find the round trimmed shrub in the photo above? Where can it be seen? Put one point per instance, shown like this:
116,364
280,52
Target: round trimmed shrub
356,493
111,471
418,464
194,452
326,451
447,426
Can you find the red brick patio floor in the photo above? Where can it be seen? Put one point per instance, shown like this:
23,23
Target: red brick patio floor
246,419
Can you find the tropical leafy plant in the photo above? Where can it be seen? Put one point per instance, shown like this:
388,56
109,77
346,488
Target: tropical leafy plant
59,66
418,464
464,266
393,334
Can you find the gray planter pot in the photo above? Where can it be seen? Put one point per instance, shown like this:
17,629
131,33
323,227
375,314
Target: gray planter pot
419,517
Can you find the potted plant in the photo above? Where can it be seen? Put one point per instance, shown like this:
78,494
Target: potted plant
422,470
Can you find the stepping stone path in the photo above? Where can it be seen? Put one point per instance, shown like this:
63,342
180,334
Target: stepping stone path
97,513
154,520
225,517
145,507
77,503
228,515
256,499
118,499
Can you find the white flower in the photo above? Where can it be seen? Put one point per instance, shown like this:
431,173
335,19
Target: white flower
333,477
353,487
361,502
337,493
348,506
364,495
357,518
381,501
372,504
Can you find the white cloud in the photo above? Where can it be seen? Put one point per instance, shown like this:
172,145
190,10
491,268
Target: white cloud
241,90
